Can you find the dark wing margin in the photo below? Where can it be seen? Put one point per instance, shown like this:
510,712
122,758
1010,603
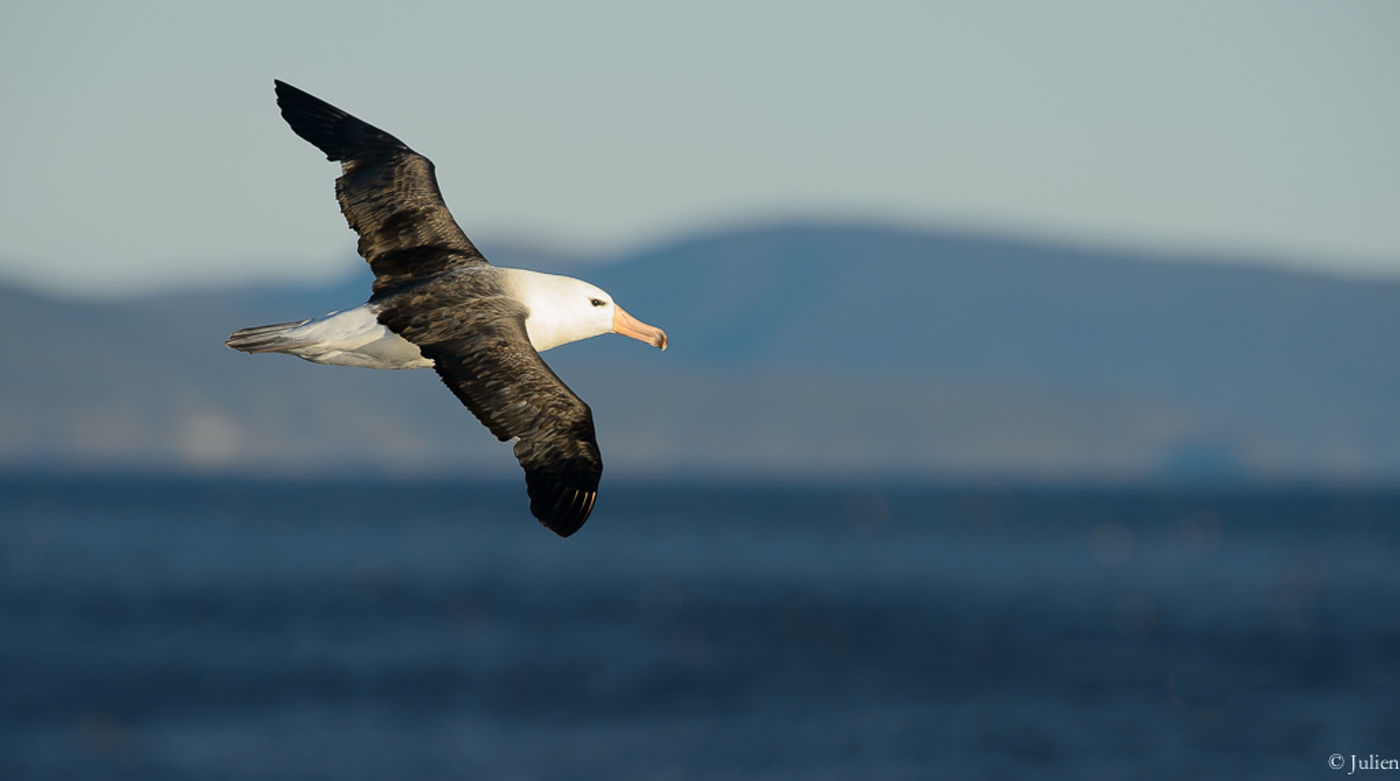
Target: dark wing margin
388,193
483,354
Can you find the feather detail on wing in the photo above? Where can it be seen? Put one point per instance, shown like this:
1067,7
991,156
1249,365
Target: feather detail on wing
483,354
388,193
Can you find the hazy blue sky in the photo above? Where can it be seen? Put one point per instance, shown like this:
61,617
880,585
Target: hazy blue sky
142,140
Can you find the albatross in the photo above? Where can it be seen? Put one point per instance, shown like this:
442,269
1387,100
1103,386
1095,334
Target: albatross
437,303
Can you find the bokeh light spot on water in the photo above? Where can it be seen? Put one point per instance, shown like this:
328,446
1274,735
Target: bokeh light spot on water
1201,532
692,645
102,733
467,611
1135,615
1200,682
968,648
1300,582
1111,544
866,511
660,600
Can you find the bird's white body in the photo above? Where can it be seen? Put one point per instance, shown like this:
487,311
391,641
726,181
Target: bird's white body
354,337
560,310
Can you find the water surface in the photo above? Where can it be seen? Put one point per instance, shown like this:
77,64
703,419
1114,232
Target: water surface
233,629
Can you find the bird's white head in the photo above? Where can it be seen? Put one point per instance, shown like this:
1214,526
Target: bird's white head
564,309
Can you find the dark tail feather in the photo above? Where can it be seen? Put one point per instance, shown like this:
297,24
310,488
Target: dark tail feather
264,338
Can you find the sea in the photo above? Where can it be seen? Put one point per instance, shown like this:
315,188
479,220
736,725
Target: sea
218,628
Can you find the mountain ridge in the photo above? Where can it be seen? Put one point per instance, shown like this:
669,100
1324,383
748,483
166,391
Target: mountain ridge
796,348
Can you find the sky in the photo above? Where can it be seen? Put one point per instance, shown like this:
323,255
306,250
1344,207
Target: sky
144,148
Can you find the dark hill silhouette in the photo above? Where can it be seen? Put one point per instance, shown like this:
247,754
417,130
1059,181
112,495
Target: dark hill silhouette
796,349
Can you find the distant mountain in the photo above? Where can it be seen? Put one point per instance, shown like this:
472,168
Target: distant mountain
796,350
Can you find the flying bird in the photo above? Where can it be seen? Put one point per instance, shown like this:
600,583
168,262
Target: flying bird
437,303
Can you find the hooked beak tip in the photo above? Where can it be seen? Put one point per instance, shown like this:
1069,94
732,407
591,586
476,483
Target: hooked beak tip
628,325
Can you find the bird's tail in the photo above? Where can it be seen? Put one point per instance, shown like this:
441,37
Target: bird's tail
273,338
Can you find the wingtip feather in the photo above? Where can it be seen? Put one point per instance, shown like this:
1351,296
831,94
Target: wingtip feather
565,511
338,134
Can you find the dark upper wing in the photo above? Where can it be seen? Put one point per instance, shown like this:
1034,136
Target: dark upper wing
484,356
387,191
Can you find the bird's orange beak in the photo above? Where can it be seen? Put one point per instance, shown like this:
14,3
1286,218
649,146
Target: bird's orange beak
628,325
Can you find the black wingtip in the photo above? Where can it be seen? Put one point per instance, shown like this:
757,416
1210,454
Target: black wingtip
338,134
563,490
566,512
561,507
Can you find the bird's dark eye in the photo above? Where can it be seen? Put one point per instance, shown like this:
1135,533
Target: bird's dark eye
597,301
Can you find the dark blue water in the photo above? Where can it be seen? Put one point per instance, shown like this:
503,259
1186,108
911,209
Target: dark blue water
187,629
